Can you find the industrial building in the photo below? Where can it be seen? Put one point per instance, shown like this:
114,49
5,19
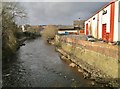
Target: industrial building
79,25
65,30
105,23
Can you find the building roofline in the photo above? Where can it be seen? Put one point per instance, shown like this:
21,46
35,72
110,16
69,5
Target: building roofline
112,1
66,29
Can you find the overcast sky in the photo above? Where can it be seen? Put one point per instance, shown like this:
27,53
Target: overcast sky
59,12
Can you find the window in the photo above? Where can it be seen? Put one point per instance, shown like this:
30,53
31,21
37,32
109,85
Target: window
104,12
94,18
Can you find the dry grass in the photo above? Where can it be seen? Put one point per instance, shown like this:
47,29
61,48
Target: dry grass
49,32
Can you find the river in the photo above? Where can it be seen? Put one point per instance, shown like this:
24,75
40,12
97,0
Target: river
37,64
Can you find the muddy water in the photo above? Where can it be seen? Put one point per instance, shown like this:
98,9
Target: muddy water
38,65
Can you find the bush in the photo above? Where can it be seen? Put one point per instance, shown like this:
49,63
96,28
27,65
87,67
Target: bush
58,44
32,30
9,30
49,32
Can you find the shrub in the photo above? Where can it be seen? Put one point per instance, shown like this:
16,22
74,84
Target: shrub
58,44
9,29
49,32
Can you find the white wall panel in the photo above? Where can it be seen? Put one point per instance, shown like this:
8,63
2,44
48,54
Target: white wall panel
116,22
89,26
119,22
106,18
94,26
85,26
100,25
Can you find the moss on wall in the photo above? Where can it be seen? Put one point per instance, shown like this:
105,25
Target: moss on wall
106,64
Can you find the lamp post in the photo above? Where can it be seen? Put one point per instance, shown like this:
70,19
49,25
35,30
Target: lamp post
78,25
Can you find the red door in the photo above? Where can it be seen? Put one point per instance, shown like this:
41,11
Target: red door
86,29
104,32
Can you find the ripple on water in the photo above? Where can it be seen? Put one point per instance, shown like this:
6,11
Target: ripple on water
42,67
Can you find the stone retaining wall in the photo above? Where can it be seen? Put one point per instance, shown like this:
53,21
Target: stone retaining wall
99,47
99,55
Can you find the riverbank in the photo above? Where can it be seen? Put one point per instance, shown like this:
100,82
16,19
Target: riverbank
97,66
26,36
37,64
88,71
12,45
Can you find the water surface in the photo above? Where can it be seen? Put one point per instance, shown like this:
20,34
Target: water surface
38,65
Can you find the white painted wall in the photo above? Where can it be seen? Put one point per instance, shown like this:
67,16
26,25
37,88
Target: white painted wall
119,22
89,26
106,18
119,31
71,31
102,20
89,22
85,26
62,32
115,38
100,25
94,26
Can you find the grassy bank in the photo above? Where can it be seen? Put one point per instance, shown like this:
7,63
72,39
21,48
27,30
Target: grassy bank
13,39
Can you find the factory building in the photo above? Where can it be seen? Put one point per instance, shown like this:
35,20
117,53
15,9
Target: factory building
105,24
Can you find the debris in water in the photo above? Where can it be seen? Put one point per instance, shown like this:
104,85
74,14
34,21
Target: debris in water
64,76
79,70
72,65
73,79
6,75
92,83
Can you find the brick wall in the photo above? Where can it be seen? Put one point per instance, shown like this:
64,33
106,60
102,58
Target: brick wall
102,48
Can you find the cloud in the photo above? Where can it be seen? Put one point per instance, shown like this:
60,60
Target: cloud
60,12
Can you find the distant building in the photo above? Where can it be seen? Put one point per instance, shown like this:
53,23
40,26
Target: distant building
43,26
105,24
65,30
79,24
23,28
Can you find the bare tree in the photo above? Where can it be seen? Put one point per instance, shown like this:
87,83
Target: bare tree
13,9
10,11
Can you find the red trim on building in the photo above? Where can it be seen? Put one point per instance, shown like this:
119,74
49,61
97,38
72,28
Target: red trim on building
87,29
104,31
112,1
112,12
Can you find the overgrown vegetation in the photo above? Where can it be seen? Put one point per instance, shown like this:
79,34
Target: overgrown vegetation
9,28
32,32
49,32
12,34
58,44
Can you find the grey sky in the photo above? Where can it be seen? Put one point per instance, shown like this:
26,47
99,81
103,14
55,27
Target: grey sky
59,12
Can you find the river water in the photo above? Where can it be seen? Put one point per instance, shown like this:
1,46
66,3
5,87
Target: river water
38,65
